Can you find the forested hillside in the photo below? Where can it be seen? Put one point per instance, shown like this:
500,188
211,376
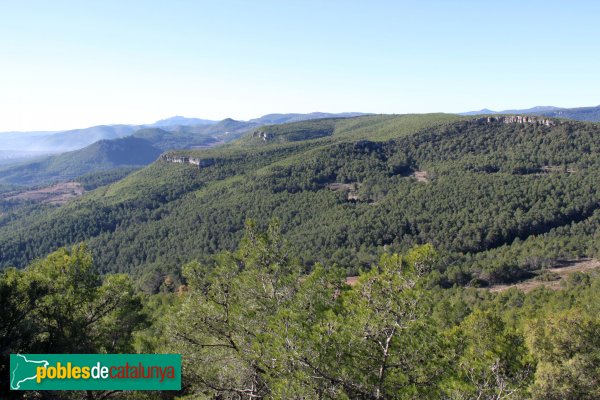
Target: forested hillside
250,324
497,198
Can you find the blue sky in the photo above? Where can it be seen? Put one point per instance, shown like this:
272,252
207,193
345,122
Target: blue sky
67,64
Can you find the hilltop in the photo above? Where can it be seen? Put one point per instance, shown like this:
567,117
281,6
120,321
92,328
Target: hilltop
295,117
178,120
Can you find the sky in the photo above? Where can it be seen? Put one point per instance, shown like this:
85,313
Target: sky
73,64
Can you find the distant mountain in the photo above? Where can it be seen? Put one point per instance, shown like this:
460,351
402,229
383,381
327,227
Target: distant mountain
591,114
8,157
18,141
34,158
229,127
483,111
179,139
21,145
79,138
179,120
270,119
99,156
194,136
58,142
138,149
533,110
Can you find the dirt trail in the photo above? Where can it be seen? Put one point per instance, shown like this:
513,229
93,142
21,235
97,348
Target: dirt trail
55,194
420,176
582,265
351,280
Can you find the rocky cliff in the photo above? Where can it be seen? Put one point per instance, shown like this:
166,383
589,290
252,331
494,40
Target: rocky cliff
263,135
200,162
519,119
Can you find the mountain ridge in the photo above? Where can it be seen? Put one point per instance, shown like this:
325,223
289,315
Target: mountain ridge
180,120
53,142
591,114
163,138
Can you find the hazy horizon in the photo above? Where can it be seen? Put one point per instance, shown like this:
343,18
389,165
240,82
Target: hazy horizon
258,116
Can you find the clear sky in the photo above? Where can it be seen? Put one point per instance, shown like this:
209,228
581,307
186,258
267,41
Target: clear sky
68,64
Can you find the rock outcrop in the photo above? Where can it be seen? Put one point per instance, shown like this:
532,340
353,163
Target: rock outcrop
200,162
262,135
518,119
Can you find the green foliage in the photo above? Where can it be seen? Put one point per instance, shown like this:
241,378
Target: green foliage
217,328
60,305
492,361
251,324
293,132
371,341
567,348
94,180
